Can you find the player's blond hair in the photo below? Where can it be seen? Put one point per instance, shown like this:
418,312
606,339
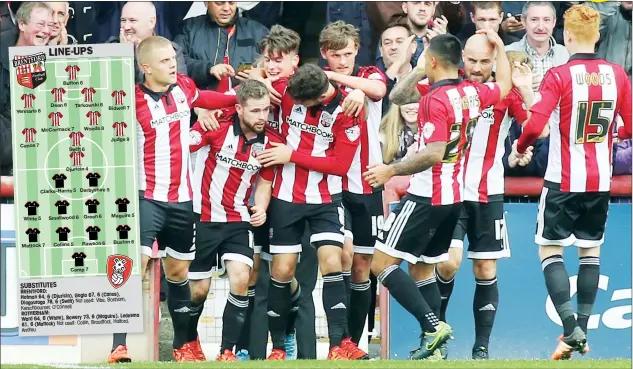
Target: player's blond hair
335,36
146,48
583,22
520,57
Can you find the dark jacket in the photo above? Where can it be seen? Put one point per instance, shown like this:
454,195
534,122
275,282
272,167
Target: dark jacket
138,74
7,38
203,42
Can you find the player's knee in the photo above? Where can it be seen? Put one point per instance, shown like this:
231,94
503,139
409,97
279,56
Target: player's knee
239,282
379,263
347,257
283,271
589,252
331,262
485,269
361,267
177,271
421,271
199,290
448,269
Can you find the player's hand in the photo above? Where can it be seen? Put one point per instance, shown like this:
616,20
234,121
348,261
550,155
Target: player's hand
220,71
440,26
421,62
279,154
208,119
521,159
522,76
493,37
536,81
353,103
258,217
62,38
511,24
378,174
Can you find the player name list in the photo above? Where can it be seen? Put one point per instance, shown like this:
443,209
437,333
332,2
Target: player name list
48,306
76,191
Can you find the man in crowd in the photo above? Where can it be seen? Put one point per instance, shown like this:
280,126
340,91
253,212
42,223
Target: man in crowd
218,43
165,198
221,187
35,21
447,115
419,17
59,32
615,31
397,48
138,20
482,218
321,142
339,43
489,14
539,18
575,199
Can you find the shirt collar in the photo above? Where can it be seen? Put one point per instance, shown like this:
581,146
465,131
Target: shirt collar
446,82
334,102
156,96
583,56
532,51
237,130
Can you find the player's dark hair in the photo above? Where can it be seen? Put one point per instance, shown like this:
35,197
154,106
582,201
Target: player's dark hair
251,89
447,49
308,83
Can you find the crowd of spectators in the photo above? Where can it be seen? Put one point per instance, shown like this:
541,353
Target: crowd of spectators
216,43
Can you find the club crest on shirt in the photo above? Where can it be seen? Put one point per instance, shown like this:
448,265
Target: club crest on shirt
256,149
195,138
428,129
326,119
353,133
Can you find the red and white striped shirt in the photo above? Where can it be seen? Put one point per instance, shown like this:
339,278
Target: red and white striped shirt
483,167
119,128
88,92
324,141
58,94
72,71
28,100
581,100
118,96
222,186
93,117
76,138
55,117
162,133
76,156
369,151
29,134
449,113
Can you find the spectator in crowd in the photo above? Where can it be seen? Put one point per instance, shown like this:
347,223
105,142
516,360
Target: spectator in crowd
354,13
622,157
488,14
615,32
138,20
397,48
59,32
539,18
216,45
399,129
35,21
419,16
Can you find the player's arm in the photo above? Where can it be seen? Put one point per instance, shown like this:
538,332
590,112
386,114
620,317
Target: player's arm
264,188
402,90
374,86
212,100
347,132
540,112
624,131
503,73
518,108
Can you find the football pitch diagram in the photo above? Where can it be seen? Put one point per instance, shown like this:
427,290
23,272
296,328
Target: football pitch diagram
76,192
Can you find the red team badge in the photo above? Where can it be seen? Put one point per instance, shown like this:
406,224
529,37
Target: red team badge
30,69
119,269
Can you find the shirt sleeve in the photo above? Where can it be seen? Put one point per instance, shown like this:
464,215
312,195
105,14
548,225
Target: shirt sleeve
432,121
624,101
347,132
545,102
375,74
517,108
199,138
489,93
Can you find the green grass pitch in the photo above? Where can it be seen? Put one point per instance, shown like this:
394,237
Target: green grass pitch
324,364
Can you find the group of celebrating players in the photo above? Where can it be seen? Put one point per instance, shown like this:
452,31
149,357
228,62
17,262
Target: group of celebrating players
299,147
